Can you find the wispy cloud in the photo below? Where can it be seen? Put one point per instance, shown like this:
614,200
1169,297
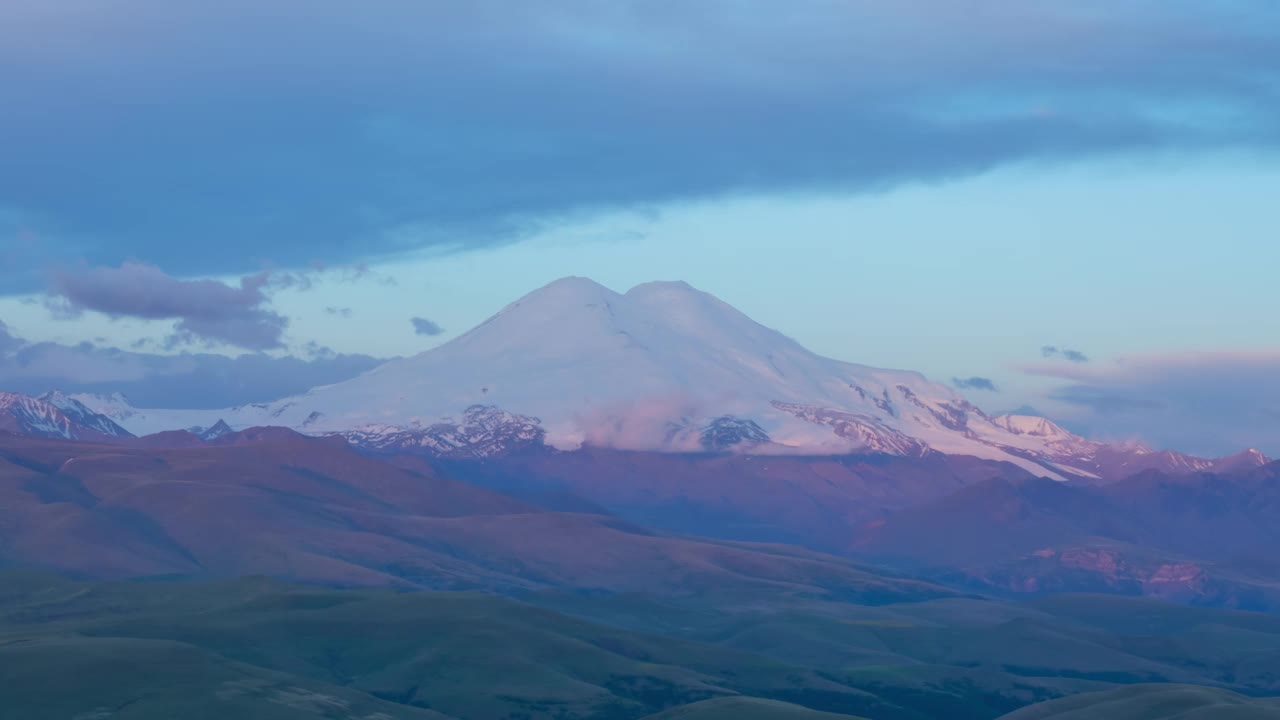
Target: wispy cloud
184,380
1053,351
8,343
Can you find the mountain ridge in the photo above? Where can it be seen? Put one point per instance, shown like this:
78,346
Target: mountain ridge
662,367
56,415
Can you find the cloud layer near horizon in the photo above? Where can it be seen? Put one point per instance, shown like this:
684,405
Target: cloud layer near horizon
1208,403
216,147
186,380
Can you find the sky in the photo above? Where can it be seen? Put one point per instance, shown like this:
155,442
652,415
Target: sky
1063,207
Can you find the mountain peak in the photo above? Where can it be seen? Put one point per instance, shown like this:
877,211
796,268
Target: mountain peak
664,286
1032,425
214,431
54,396
572,286
558,301
1250,458
578,294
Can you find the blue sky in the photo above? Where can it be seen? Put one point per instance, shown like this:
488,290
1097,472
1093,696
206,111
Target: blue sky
916,184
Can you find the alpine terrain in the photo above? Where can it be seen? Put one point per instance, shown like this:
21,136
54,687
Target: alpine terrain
663,367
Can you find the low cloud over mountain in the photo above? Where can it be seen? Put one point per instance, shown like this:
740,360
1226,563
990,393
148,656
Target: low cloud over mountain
196,380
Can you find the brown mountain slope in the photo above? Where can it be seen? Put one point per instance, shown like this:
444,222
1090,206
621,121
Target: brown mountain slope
277,503
1201,538
814,501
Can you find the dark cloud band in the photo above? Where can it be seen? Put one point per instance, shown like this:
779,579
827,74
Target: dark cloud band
215,148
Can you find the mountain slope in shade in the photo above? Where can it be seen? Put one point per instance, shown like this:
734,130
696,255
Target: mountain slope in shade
662,367
1202,538
55,415
818,502
273,502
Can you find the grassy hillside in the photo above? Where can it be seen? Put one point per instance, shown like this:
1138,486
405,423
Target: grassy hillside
1154,702
738,708
466,655
61,678
254,645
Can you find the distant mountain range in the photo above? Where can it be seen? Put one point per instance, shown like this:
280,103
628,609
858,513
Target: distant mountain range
56,415
662,368
580,436
274,502
1205,538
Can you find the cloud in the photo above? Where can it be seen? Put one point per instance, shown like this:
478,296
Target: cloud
205,310
1209,403
423,326
317,271
1052,351
8,343
642,425
403,125
975,383
1027,410
185,380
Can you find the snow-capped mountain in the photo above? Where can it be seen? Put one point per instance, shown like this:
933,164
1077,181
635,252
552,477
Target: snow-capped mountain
662,367
85,416
115,407
55,415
